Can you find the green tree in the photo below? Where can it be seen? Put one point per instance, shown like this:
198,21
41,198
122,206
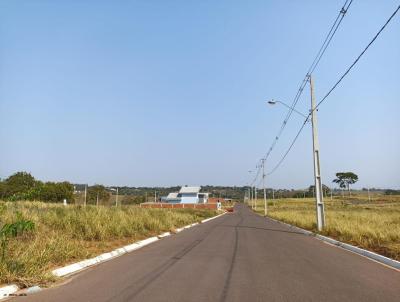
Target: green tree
18,186
131,199
97,194
55,192
345,179
325,190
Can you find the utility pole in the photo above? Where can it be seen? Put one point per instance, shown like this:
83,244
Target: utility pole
155,196
319,198
97,199
265,192
255,198
369,196
250,201
116,198
85,195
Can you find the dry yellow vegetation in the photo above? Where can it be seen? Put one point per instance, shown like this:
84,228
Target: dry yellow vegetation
371,224
67,234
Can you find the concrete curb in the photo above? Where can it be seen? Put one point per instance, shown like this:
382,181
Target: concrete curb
8,290
371,255
211,218
11,289
75,267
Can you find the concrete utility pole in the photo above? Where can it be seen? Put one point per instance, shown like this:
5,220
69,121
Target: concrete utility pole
251,190
319,198
85,195
265,192
116,198
255,198
250,197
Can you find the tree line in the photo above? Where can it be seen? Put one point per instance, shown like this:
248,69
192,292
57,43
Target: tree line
23,186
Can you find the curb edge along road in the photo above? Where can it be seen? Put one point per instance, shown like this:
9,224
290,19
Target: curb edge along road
354,249
9,290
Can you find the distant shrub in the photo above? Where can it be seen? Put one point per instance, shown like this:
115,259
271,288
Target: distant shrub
23,186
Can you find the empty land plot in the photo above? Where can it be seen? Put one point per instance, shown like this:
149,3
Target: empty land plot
66,234
373,225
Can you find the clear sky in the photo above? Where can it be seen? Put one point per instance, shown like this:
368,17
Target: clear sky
163,93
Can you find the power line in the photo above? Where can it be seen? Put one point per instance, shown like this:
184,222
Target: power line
290,147
327,41
258,172
358,58
312,67
333,88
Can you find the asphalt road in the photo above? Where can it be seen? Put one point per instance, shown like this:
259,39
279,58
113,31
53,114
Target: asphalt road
237,257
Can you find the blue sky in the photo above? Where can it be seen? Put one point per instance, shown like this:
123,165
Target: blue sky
163,93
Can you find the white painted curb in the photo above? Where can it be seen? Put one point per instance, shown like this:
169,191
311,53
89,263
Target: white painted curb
8,290
166,234
374,256
76,267
208,219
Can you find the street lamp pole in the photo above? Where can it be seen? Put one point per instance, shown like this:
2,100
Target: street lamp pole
265,192
250,196
319,198
255,197
251,192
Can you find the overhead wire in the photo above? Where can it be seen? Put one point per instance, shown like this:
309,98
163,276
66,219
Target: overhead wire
312,67
358,58
332,89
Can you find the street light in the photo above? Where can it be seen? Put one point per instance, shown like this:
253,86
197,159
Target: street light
273,102
319,198
116,196
265,192
251,191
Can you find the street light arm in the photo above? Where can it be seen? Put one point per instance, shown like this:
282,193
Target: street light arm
273,102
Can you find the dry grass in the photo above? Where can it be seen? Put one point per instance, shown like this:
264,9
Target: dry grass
373,225
67,234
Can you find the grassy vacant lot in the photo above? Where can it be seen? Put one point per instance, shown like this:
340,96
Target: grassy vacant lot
67,234
373,225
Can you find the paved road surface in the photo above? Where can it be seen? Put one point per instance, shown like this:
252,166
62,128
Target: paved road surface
237,257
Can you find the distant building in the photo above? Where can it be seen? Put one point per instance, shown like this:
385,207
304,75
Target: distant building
187,195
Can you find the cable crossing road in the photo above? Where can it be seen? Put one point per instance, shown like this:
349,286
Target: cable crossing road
236,257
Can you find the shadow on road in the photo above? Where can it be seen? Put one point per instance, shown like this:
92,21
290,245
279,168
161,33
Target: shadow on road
263,229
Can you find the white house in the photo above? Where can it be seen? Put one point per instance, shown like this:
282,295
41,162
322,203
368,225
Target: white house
187,195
